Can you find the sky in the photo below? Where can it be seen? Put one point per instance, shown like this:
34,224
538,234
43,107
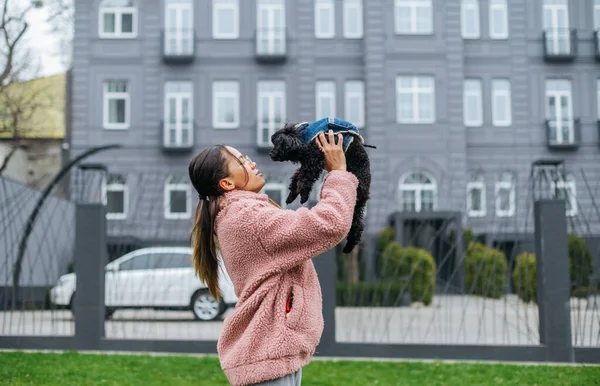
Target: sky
44,43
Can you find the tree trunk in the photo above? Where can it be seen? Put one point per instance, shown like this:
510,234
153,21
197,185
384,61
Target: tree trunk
352,266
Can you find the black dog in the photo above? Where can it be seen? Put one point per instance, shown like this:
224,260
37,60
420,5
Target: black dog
290,145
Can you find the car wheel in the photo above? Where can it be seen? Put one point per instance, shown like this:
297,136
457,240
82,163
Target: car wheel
205,307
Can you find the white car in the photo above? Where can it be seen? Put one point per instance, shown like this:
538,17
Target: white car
157,278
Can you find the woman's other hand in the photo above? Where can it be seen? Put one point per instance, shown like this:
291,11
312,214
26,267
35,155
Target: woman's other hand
335,159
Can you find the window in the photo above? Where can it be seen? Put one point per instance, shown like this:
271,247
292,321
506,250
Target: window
498,19
118,19
413,17
505,196
179,114
469,20
178,198
277,192
472,109
556,26
270,33
476,196
355,102
324,19
271,110
565,189
415,99
179,27
353,19
325,99
501,103
225,19
597,14
116,105
226,105
559,111
115,197
598,98
138,263
418,192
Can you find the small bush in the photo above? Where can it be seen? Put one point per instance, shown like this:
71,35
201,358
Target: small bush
485,271
386,236
580,262
376,294
524,277
414,265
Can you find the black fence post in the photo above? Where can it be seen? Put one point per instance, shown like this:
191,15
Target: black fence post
553,280
326,267
90,260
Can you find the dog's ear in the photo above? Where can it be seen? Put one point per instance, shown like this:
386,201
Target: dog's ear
287,144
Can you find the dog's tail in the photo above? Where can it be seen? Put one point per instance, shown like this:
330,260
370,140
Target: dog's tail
371,146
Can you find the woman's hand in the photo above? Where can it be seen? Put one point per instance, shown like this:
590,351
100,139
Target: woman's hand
335,159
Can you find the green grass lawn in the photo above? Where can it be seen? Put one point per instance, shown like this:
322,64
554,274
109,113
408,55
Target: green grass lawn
17,368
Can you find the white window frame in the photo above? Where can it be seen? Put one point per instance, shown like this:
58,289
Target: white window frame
322,95
470,8
228,5
179,96
412,5
271,96
596,15
499,91
560,120
118,13
358,33
109,95
500,9
507,181
321,5
277,186
183,10
360,96
476,182
415,91
555,28
270,40
476,93
417,189
570,185
219,96
180,187
116,187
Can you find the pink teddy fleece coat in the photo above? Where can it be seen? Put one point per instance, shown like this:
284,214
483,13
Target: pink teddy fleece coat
267,253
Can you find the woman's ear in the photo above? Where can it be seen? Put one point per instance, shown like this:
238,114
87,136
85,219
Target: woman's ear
227,184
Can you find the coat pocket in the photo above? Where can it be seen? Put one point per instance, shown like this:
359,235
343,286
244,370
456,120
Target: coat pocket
293,318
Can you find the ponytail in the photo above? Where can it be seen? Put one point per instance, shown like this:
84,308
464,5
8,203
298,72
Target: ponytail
204,255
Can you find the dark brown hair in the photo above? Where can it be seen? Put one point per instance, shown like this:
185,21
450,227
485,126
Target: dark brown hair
206,170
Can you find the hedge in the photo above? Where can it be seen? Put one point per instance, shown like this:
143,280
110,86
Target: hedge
580,262
372,294
413,264
485,271
524,277
580,269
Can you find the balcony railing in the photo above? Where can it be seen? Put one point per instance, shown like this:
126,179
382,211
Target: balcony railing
178,45
271,44
597,45
563,134
178,136
560,44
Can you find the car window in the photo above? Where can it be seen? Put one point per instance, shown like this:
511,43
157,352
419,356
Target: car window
176,260
137,263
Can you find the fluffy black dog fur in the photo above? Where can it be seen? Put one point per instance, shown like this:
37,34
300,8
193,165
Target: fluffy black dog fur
288,146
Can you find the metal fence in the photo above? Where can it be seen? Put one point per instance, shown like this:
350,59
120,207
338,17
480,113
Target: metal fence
440,292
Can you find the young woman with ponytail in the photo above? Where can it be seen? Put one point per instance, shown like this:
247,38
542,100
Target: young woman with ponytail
267,252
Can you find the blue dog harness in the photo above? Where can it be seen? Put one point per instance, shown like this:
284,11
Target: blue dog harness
308,131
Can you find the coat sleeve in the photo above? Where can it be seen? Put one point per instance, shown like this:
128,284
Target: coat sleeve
291,236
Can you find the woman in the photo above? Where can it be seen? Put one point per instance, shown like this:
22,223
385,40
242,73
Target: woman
267,253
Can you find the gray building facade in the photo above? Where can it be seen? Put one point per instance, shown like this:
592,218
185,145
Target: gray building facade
459,96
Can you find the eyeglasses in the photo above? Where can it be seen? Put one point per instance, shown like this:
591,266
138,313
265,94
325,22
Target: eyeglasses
244,159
